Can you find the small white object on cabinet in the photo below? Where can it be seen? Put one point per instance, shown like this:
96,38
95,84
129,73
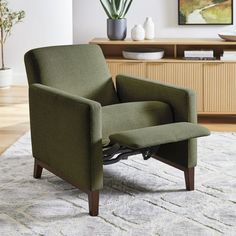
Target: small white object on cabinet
138,33
149,28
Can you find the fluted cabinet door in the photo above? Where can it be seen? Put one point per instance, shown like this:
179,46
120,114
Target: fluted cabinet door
127,68
220,87
187,75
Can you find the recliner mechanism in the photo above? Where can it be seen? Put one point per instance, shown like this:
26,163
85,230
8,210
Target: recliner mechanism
123,153
149,152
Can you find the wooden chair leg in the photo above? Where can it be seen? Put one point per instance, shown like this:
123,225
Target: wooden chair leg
189,178
93,200
37,170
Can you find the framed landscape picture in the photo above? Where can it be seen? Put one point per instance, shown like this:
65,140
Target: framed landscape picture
205,12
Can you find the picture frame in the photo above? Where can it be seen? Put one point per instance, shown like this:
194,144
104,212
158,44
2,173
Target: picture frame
213,12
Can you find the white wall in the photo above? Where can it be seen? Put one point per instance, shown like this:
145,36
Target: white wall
90,20
47,22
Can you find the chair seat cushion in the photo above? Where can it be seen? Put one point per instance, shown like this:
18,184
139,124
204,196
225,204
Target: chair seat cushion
156,135
133,115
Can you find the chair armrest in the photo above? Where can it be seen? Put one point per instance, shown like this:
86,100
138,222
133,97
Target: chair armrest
182,101
67,134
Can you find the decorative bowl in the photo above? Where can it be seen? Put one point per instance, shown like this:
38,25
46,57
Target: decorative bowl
228,36
143,53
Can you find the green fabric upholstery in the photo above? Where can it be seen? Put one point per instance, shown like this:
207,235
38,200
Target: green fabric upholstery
182,102
66,134
157,135
77,69
73,106
133,115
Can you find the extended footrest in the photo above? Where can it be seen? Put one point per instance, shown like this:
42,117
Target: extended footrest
157,135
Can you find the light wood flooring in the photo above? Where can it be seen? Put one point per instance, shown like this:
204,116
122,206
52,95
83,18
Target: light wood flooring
14,117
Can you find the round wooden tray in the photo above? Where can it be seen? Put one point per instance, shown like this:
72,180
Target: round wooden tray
228,36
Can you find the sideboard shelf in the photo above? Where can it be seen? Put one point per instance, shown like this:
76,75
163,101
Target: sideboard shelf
214,81
164,41
166,60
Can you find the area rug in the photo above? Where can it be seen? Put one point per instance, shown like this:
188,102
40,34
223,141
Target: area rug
139,197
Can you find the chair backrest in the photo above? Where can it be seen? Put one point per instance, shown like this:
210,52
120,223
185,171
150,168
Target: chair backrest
77,69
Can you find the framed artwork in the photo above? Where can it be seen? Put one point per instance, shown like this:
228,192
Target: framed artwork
205,12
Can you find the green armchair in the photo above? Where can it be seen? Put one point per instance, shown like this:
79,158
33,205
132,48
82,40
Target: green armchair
79,121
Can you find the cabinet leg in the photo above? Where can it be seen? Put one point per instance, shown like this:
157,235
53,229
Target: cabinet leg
93,200
189,178
37,170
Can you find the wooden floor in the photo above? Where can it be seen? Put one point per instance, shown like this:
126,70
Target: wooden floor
14,117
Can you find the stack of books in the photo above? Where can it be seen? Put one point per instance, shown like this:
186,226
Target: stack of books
199,55
228,56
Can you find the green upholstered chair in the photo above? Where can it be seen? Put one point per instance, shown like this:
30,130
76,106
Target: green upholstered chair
79,120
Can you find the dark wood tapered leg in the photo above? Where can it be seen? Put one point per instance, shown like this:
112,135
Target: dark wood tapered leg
37,170
189,178
93,200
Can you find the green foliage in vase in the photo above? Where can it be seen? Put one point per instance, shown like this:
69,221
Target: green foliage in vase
8,19
116,9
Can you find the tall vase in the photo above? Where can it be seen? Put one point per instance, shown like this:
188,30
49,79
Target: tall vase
149,28
116,29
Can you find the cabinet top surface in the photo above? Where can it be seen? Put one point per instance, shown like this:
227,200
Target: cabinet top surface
167,41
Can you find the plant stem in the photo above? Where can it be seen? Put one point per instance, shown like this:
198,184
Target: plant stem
2,44
2,50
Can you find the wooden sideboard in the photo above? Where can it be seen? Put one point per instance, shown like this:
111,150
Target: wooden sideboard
214,81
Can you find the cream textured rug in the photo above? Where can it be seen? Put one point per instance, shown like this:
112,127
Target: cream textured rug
139,197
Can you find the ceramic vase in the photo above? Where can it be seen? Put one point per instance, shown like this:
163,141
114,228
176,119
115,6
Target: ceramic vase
116,29
5,78
138,33
149,28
